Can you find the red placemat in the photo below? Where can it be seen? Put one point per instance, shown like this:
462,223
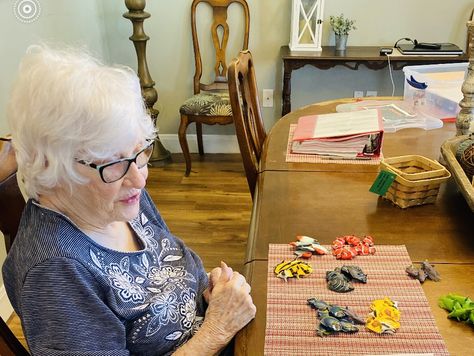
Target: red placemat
299,157
291,323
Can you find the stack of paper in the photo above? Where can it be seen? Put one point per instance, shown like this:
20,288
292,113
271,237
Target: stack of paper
347,135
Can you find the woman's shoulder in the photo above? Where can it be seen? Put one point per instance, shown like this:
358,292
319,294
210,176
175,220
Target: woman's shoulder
46,230
45,235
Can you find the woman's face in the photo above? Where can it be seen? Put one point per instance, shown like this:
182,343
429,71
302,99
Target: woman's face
97,203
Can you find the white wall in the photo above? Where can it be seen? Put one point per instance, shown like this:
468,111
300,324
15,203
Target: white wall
70,22
99,24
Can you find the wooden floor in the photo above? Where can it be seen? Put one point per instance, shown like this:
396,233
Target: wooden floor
209,210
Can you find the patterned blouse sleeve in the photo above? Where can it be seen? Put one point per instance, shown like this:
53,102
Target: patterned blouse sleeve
63,313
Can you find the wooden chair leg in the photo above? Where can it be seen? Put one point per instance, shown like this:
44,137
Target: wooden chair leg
184,143
199,138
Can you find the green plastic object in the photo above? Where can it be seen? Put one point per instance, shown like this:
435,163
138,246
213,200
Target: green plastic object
460,308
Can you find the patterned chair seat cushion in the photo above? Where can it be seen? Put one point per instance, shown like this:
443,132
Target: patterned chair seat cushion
207,104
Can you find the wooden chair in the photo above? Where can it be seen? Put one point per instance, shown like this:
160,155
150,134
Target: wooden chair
11,207
9,344
210,102
248,121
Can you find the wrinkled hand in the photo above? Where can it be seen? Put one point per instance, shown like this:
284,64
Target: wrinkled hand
214,276
230,304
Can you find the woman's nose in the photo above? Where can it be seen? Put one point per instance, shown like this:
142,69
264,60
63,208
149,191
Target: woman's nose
136,176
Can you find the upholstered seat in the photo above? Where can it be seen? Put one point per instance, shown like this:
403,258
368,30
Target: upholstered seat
207,104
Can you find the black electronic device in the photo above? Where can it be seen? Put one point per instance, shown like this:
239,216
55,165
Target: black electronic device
426,45
416,48
385,50
443,49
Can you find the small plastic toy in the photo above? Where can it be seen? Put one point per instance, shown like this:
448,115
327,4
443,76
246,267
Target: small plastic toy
338,282
333,318
384,317
354,272
340,279
306,246
460,308
349,246
426,271
292,269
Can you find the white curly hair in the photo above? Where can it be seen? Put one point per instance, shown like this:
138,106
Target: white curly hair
66,105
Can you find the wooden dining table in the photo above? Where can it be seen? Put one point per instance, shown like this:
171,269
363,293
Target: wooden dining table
328,200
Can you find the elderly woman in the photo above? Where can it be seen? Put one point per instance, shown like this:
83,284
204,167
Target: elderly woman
94,269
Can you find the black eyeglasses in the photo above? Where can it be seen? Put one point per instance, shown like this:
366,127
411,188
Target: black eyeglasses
113,171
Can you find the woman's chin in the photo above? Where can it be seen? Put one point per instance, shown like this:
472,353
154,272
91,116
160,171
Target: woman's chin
129,211
132,215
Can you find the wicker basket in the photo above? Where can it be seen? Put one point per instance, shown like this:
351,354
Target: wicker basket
465,186
417,180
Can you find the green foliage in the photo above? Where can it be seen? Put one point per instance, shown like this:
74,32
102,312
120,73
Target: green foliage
341,25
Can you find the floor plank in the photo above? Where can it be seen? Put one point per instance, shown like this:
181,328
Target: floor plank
209,210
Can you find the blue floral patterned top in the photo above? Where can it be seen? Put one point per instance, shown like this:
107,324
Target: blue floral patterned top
76,297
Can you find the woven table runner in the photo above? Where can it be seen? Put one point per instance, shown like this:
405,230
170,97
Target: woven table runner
291,323
306,158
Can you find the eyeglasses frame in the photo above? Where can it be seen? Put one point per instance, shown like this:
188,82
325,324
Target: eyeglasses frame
130,160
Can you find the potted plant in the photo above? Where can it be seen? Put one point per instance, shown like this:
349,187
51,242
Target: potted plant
341,27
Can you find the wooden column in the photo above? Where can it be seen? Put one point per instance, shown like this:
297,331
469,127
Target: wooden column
137,15
466,115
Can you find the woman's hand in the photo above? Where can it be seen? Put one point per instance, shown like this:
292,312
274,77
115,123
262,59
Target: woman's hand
230,309
230,304
214,276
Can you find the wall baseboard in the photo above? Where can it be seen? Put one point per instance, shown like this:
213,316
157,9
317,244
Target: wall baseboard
212,143
6,308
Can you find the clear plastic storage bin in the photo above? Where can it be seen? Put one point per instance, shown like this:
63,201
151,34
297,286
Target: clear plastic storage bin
443,92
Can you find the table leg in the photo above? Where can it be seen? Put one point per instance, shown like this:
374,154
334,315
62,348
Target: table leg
286,92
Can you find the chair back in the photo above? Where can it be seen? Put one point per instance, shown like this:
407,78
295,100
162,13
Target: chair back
220,37
11,208
248,121
11,199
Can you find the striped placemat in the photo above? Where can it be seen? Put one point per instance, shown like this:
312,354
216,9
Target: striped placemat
291,323
306,158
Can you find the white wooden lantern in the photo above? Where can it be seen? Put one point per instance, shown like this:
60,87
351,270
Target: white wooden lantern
306,25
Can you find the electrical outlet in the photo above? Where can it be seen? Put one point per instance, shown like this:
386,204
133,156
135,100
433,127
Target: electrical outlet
371,93
267,98
358,93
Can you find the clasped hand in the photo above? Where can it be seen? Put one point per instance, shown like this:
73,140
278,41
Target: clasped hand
230,304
